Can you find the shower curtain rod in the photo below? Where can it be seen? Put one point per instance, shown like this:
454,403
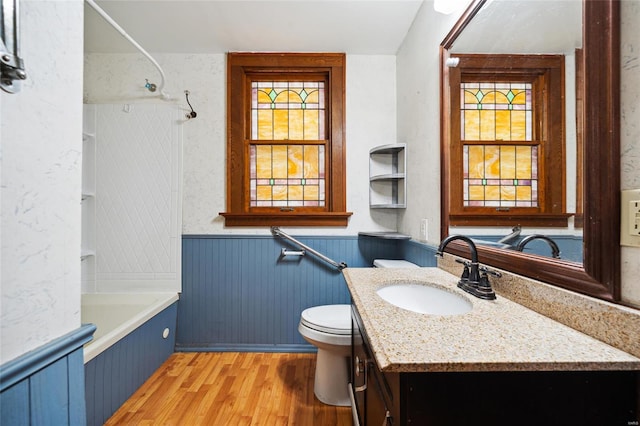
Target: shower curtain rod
115,25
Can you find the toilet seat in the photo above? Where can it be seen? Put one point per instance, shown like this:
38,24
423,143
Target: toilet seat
334,319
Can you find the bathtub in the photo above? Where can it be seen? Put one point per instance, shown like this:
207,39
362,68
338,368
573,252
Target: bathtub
135,334
118,314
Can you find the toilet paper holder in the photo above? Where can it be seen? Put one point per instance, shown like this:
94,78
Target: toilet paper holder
285,252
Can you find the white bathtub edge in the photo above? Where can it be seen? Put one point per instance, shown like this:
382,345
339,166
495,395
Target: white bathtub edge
94,348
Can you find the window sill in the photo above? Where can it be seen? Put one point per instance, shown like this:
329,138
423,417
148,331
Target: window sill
539,220
287,219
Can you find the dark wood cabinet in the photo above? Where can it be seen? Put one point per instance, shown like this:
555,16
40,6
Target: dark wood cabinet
493,398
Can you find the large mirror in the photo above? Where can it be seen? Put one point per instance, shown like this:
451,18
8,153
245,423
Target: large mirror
593,189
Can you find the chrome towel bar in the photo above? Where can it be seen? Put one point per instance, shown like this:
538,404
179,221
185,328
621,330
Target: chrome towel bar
279,233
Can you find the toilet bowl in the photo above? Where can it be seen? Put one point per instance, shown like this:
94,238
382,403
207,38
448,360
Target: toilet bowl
328,327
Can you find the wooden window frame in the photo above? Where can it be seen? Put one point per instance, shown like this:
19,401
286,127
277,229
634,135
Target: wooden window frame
546,72
242,65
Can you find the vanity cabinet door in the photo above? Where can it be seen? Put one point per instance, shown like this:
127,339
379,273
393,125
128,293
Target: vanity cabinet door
359,359
371,392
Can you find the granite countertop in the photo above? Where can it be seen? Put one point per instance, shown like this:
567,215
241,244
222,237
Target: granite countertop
497,335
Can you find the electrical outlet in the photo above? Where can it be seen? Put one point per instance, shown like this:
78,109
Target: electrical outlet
424,229
630,218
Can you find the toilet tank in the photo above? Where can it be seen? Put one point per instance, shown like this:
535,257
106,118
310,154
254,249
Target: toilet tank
393,263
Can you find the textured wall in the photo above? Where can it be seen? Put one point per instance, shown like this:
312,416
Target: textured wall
630,134
41,160
370,116
419,118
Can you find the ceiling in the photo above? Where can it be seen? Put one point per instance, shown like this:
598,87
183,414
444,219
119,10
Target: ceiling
218,26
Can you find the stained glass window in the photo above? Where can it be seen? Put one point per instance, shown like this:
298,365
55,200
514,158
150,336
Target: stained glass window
287,175
293,110
498,175
496,111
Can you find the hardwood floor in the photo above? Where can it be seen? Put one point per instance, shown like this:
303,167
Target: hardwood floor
230,388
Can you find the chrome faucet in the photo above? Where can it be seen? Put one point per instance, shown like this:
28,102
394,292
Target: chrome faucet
555,251
474,279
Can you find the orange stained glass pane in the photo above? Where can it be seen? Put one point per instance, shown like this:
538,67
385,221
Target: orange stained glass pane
476,162
265,124
295,192
520,97
523,193
476,193
508,193
295,162
492,162
523,162
311,124
471,125
287,96
280,124
311,162
263,161
518,126
503,125
296,124
492,192
311,192
487,125
263,96
507,162
279,192
489,98
263,192
313,97
280,162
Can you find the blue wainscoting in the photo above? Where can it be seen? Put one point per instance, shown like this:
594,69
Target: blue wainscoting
46,386
238,295
115,374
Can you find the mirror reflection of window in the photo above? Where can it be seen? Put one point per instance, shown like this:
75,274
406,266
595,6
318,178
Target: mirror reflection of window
499,174
508,141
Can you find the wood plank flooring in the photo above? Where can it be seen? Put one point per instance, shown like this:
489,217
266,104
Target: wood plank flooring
230,388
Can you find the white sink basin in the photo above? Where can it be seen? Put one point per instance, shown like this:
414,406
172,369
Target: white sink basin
424,299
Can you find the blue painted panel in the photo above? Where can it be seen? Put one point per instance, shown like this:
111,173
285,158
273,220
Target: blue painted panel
49,405
45,386
77,406
14,405
115,374
238,295
571,247
419,253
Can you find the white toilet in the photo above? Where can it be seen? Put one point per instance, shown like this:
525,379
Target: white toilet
328,327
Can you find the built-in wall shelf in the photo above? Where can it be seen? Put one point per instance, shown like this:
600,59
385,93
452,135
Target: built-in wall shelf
387,177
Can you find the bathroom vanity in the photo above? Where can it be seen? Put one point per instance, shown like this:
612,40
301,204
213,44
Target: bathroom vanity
499,363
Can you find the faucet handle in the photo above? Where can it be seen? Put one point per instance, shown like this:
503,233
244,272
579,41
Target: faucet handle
464,262
486,270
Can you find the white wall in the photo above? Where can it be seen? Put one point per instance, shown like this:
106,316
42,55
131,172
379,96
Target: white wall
418,123
41,161
370,115
630,134
419,119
